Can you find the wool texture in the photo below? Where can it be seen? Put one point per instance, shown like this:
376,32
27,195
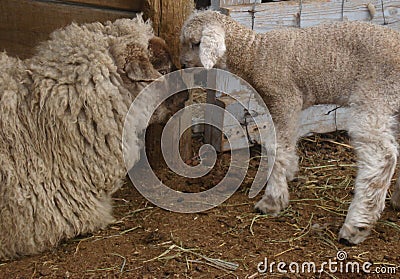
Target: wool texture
61,121
351,64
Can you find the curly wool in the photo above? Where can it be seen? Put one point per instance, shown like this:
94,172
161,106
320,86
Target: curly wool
352,64
62,115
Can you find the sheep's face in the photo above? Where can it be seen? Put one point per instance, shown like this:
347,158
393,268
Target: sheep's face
159,56
139,67
203,42
160,59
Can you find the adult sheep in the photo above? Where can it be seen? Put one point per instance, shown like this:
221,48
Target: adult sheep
61,121
351,64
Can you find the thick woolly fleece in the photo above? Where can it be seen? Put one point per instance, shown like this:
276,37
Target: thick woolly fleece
352,64
61,122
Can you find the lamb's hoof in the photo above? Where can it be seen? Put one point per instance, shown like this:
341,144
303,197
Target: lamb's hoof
395,200
268,205
350,235
345,242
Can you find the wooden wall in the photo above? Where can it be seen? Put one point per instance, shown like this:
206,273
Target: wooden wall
24,23
168,17
263,17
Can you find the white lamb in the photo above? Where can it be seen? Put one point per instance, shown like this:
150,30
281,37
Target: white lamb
351,64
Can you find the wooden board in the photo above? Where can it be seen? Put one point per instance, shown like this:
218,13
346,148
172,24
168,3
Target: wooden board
168,18
268,16
316,119
129,5
23,23
224,3
153,146
185,141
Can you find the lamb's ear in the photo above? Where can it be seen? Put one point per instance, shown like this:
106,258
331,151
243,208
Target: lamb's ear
212,45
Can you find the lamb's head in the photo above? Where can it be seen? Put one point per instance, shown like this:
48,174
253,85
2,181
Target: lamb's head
203,40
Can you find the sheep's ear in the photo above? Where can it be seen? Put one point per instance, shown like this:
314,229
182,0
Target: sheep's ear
212,45
133,60
140,69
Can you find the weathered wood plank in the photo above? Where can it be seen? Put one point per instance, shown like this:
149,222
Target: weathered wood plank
224,3
268,16
129,5
185,142
323,119
168,18
240,102
153,146
316,119
23,23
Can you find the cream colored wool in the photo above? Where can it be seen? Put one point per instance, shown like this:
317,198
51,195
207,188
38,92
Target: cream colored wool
351,64
61,122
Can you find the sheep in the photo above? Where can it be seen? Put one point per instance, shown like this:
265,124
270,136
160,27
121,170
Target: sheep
351,64
61,116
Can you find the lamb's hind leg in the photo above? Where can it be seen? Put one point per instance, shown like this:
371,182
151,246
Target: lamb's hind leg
375,144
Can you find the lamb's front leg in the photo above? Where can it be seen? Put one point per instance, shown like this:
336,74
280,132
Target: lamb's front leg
276,196
375,144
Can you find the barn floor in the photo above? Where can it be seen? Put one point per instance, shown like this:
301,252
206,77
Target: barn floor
148,242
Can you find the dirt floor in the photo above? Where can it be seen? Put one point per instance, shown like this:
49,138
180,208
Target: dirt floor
231,240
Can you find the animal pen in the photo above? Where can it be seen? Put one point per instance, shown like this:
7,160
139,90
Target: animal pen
25,23
231,240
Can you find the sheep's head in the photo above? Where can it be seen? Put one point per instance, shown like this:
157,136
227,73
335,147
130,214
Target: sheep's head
138,53
161,60
203,41
140,64
159,56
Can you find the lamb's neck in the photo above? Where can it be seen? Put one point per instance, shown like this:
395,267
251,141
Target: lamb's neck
240,46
